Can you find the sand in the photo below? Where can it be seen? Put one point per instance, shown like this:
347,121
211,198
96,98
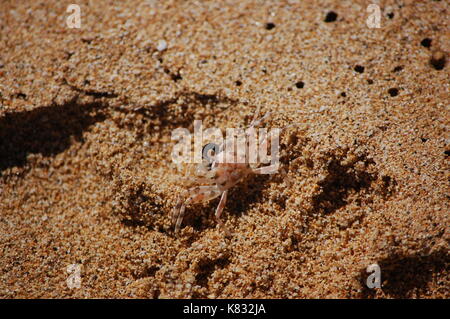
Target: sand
86,176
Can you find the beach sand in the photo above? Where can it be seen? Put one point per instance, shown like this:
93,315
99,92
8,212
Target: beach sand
86,174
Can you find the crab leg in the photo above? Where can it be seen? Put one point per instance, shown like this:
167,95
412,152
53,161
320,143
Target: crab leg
271,169
221,206
257,122
201,194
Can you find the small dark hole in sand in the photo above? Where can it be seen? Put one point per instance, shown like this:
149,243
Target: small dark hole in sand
359,68
447,152
438,60
300,85
343,94
149,272
423,139
176,77
270,26
21,96
369,81
238,83
390,15
393,91
398,69
426,42
331,16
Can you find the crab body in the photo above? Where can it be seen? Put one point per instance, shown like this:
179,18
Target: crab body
214,179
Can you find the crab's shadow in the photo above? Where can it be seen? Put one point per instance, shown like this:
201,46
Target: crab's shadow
402,276
47,130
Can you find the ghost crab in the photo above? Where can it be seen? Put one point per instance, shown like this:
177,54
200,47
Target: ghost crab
215,178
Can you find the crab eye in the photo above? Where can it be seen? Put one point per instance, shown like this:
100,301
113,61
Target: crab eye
208,151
